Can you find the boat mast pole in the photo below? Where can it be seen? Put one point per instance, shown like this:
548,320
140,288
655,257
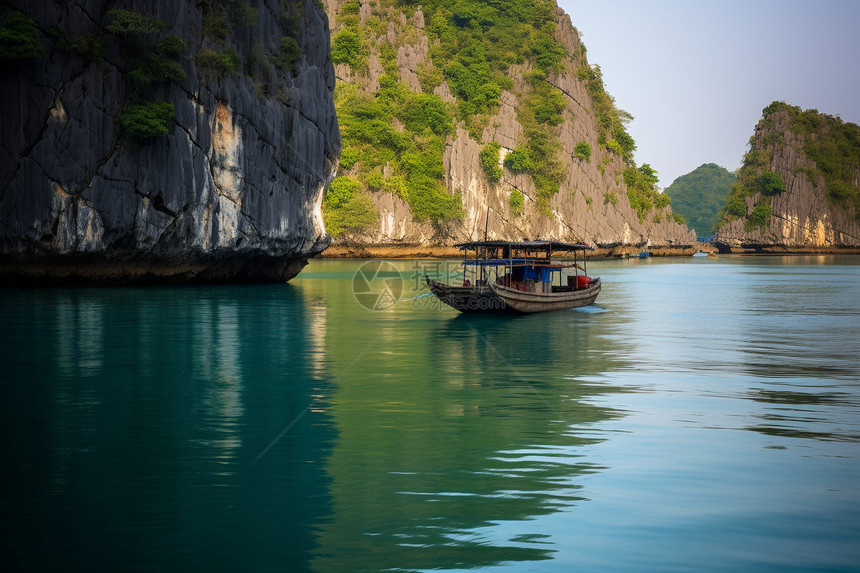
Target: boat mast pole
484,266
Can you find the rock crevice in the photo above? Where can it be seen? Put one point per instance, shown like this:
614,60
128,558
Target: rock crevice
230,193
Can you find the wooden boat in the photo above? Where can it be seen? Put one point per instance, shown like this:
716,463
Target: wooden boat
508,276
555,299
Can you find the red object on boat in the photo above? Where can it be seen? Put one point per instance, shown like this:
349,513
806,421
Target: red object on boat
582,281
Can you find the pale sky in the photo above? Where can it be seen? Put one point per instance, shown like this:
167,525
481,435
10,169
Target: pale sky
696,75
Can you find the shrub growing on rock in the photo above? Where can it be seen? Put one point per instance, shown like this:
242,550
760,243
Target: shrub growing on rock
290,52
147,120
516,201
346,207
582,151
347,48
771,183
128,23
18,38
759,218
489,157
222,63
519,160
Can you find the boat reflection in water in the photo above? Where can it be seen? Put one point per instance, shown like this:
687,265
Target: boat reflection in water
505,276
451,447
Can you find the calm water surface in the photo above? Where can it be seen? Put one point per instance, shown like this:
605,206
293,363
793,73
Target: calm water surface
704,415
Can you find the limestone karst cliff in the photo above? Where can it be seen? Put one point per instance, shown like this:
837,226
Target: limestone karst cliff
515,123
164,141
798,188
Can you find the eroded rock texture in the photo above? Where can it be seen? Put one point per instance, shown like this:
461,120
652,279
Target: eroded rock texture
592,204
804,217
231,192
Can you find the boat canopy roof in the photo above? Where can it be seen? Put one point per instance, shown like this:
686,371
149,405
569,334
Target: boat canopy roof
544,245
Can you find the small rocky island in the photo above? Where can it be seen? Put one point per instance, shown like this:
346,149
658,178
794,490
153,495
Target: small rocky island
164,142
798,189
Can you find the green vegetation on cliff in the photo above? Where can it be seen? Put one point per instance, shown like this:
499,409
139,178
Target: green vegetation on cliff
611,121
642,191
540,115
833,145
516,201
582,151
18,38
753,178
220,63
347,47
219,18
149,119
394,141
348,207
151,58
489,157
699,195
474,46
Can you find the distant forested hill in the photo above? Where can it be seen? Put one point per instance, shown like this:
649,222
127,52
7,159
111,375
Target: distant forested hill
699,195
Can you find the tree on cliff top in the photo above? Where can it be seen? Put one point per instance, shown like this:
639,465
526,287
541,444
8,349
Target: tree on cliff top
18,38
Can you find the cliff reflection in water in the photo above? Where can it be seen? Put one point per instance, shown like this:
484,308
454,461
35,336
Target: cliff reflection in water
454,431
137,415
287,427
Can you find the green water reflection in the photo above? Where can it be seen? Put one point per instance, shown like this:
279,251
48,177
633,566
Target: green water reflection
700,408
449,426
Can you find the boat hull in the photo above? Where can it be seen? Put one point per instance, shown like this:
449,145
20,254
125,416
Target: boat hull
467,298
528,302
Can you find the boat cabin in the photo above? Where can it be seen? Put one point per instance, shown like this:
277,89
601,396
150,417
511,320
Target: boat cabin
527,265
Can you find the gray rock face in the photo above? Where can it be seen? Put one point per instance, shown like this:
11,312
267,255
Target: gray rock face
581,211
802,218
233,190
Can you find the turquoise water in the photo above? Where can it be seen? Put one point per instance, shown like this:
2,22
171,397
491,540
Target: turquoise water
703,415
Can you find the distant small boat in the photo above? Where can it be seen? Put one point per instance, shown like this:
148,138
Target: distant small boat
519,277
644,254
702,254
